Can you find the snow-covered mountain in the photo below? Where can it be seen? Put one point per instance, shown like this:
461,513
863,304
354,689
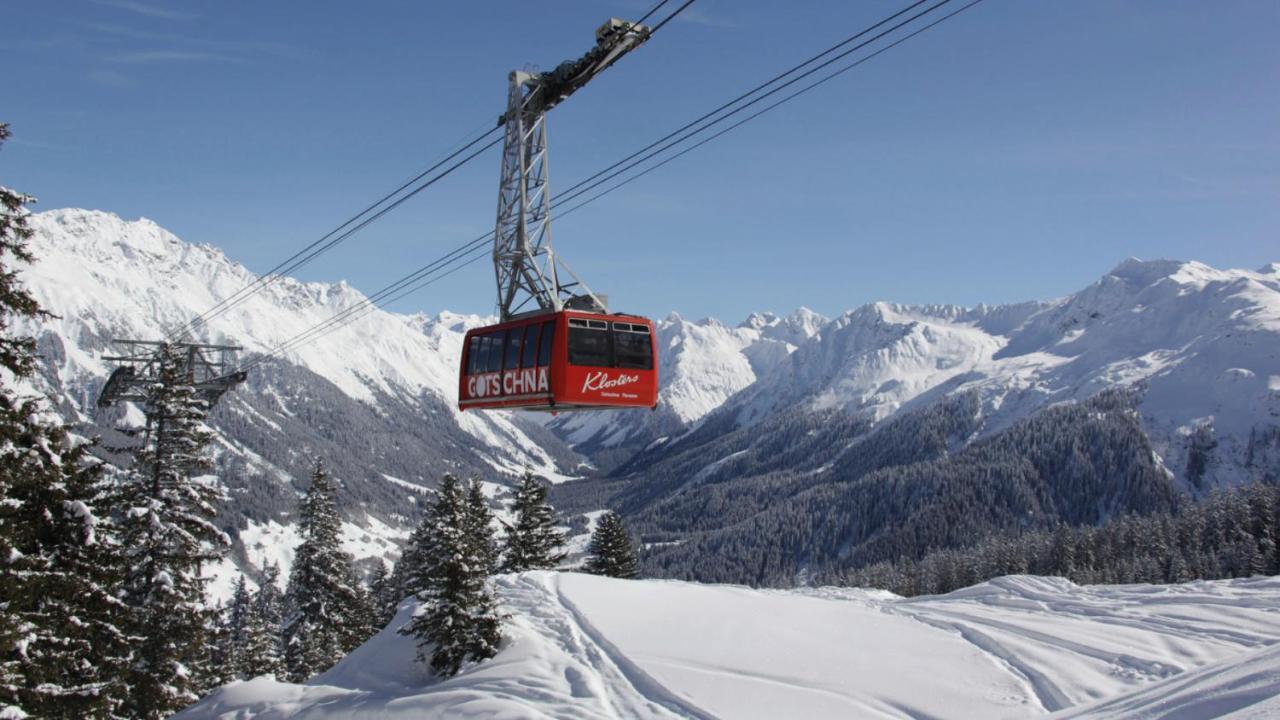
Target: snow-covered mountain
107,278
1200,348
1203,345
1016,647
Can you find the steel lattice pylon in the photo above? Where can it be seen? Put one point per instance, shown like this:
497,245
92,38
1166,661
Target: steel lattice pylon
209,368
523,259
526,267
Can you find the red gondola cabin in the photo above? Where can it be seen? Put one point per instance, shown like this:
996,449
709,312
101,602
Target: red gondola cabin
560,361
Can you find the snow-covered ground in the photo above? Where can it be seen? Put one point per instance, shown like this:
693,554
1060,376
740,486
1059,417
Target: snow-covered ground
579,646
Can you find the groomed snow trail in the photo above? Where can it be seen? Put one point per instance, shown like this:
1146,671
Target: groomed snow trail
579,646
595,669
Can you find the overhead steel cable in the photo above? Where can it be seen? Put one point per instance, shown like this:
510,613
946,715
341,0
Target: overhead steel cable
342,232
348,314
668,18
652,10
310,252
572,193
725,106
767,108
473,251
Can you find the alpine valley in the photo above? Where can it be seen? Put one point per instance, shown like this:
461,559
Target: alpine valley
785,449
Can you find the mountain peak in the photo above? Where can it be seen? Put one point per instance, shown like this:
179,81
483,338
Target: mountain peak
757,320
1146,272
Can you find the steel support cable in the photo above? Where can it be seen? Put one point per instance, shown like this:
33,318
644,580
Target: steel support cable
572,194
766,109
343,317
367,306
329,241
228,303
746,94
668,18
203,319
652,10
421,276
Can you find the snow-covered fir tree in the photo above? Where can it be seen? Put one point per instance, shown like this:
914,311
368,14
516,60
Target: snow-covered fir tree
611,550
383,594
327,610
479,530
533,541
263,650
168,534
217,669
410,571
59,577
269,600
260,653
459,620
61,647
235,623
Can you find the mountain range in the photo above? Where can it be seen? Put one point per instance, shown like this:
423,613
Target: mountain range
1166,371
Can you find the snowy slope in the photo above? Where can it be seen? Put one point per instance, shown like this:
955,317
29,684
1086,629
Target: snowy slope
1017,647
1239,688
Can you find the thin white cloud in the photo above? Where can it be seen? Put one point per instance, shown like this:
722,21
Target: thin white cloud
169,56
152,11
234,48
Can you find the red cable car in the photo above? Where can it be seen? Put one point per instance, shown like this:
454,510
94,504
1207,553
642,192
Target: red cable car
570,353
567,360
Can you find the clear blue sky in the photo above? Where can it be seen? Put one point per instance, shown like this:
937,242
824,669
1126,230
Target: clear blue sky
1015,152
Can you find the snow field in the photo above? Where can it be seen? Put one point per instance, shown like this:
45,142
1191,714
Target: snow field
579,646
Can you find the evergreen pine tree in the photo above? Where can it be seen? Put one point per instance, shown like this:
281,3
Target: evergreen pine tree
259,653
168,534
327,610
269,600
533,542
479,530
17,354
230,656
459,619
61,647
60,581
214,670
408,575
611,551
263,649
382,594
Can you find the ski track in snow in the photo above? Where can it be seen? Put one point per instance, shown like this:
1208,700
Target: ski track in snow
579,646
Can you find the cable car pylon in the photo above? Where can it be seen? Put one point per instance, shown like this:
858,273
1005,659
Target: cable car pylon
209,368
556,346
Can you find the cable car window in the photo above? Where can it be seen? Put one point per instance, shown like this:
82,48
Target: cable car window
495,350
514,336
632,346
530,346
544,347
587,344
473,353
482,355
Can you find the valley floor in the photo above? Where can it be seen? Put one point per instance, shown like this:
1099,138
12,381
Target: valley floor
579,646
